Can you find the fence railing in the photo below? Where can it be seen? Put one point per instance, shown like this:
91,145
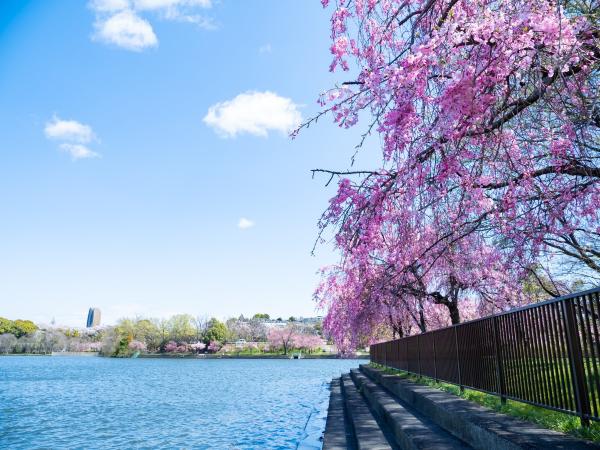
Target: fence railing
546,354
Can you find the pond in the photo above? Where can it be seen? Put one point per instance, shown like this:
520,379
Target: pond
78,402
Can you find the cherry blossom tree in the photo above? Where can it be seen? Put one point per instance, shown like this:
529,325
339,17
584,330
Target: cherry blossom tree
282,338
197,347
137,346
306,341
174,347
489,122
214,346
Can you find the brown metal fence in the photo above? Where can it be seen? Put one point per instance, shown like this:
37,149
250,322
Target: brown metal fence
546,354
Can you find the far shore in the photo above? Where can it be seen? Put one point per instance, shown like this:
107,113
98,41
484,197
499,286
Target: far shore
195,356
214,356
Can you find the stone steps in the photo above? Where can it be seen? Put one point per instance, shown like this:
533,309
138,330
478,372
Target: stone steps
338,433
368,433
477,426
411,430
364,416
371,410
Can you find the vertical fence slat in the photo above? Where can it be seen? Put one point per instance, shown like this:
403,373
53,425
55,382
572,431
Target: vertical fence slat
576,359
498,358
595,308
585,337
458,357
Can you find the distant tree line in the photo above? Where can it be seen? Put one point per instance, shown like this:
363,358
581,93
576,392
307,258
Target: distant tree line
23,336
181,333
184,333
17,327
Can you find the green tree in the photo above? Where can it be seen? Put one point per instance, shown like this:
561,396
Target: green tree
216,331
261,316
161,324
181,328
147,332
125,329
7,326
24,327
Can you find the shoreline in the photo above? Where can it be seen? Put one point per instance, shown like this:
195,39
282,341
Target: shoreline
189,356
212,356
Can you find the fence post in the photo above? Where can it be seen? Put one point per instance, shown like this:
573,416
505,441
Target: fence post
582,399
406,354
462,388
385,355
434,360
419,354
499,367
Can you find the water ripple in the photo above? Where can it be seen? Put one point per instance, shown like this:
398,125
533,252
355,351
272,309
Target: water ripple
101,403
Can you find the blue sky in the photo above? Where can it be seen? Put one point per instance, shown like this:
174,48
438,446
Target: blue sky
119,189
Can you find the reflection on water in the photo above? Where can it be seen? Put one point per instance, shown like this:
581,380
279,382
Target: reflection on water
70,402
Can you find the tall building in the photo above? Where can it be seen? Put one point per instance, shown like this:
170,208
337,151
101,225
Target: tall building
93,319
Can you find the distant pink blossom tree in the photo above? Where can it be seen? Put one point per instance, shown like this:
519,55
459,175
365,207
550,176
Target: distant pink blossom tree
281,338
214,346
308,342
197,347
137,346
171,347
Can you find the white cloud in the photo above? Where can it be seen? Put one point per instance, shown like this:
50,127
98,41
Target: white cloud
78,151
142,5
205,23
253,113
126,29
74,136
68,130
244,223
265,48
120,22
109,5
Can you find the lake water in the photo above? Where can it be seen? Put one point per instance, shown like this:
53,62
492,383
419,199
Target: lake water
93,403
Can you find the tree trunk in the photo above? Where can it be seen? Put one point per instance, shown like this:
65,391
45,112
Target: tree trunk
454,312
422,323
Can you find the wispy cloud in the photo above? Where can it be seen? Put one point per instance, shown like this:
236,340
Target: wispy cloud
254,113
142,5
78,151
109,5
120,22
74,136
265,48
244,223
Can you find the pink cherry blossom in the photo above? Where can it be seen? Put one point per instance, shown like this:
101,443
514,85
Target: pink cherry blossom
486,114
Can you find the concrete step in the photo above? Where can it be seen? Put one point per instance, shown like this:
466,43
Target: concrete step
411,430
338,434
479,427
367,432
